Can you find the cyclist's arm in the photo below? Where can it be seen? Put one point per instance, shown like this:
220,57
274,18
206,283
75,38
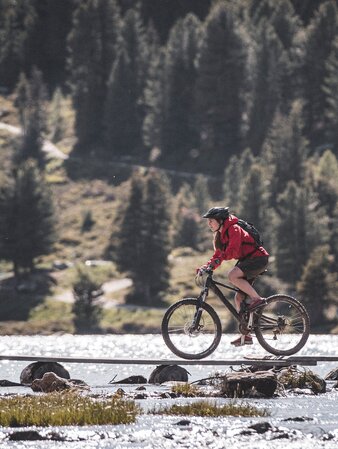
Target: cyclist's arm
215,261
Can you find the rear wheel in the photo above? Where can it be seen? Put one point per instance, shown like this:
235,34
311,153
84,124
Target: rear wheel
186,338
282,326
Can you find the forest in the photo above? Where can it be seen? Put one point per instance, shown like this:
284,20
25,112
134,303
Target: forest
176,105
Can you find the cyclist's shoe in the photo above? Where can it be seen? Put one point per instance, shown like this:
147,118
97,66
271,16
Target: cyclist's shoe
242,340
256,303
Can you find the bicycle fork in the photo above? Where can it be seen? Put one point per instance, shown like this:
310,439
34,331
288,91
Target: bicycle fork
195,325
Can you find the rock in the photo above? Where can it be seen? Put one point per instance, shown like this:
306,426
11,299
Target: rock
36,370
298,419
183,422
50,382
332,375
261,427
165,373
248,384
141,396
31,435
8,383
131,380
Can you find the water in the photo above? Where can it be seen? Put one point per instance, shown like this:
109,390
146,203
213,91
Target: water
320,429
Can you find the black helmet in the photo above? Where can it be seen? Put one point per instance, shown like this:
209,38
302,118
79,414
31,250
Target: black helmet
218,213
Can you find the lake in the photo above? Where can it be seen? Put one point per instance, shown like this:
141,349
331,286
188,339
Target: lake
319,414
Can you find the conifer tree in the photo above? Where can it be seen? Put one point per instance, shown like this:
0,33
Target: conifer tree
317,285
120,115
330,88
319,43
86,290
184,210
285,151
124,134
92,47
180,133
56,122
253,197
144,239
266,84
201,193
129,247
220,87
31,103
298,231
28,220
152,129
236,170
17,24
155,270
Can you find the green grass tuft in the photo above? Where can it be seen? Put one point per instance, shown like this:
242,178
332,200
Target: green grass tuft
208,408
66,409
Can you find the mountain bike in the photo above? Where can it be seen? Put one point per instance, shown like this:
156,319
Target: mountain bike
192,329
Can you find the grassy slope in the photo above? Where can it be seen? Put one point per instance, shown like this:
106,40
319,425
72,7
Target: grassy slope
75,196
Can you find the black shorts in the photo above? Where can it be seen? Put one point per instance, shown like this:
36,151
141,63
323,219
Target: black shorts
254,266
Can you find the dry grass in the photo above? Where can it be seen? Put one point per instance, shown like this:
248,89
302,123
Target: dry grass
210,408
67,409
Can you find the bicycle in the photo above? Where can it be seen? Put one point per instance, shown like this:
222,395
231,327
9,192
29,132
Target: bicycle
281,324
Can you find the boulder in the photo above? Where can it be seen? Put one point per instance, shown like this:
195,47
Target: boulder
239,385
332,375
130,380
36,370
49,383
167,373
8,383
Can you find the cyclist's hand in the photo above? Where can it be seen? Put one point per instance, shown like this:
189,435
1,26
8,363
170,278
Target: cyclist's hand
203,270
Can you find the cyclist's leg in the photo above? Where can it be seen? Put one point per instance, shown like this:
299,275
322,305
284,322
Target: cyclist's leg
238,278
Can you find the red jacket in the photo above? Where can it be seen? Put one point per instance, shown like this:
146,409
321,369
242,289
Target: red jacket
238,244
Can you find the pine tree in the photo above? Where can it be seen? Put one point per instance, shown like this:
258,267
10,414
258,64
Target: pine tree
180,132
317,285
201,194
56,122
28,220
236,170
220,87
17,25
285,151
31,102
330,88
129,72
298,231
184,214
144,238
92,47
155,272
154,104
120,116
266,84
129,247
319,43
86,290
253,197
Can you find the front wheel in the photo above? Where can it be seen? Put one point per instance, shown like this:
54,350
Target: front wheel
282,326
186,337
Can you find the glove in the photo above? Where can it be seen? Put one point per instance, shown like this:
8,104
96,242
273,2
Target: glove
203,270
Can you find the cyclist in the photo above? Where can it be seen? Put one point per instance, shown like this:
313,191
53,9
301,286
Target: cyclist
233,242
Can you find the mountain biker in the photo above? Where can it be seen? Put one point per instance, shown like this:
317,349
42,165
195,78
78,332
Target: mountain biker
233,242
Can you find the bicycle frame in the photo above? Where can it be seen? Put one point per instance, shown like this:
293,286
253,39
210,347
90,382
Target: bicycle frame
210,283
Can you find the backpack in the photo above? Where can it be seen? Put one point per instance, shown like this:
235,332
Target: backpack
250,229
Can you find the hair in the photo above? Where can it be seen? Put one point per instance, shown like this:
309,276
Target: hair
217,237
